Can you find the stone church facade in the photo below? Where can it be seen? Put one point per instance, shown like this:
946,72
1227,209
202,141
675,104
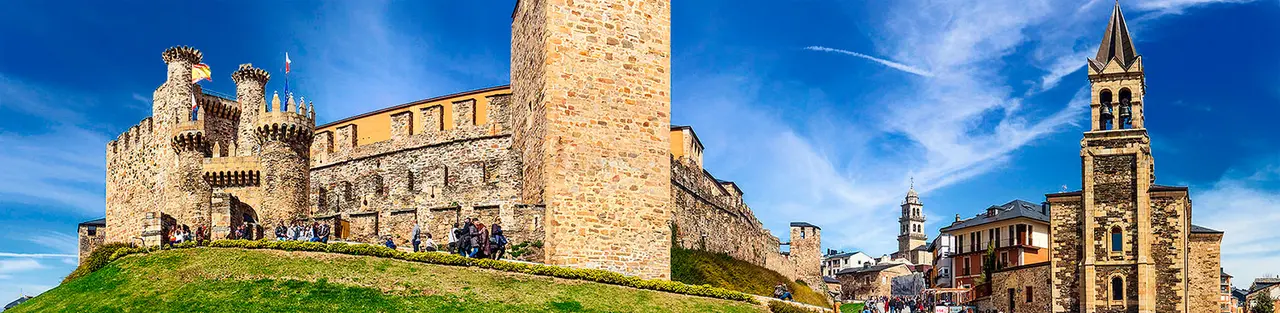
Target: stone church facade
577,154
1124,243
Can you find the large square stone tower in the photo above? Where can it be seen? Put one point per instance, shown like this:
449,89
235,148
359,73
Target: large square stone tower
591,82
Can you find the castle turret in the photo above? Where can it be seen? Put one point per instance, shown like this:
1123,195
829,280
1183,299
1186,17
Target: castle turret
285,159
187,196
250,83
174,97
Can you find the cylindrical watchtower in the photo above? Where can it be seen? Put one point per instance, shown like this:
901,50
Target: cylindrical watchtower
285,158
250,83
187,199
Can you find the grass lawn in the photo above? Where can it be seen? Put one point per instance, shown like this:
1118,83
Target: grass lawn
697,267
236,280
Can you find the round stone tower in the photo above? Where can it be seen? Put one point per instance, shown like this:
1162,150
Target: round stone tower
188,194
250,83
285,138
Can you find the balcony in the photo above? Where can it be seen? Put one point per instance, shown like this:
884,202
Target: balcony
1000,244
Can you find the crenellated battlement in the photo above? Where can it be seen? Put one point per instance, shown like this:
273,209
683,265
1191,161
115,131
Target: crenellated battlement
290,124
182,53
135,138
189,136
219,107
244,171
247,73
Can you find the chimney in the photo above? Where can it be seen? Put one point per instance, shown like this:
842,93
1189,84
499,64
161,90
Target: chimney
1044,208
957,217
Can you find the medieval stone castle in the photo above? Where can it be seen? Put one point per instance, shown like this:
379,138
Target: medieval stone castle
577,153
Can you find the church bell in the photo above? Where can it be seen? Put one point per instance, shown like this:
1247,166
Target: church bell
1106,112
1126,111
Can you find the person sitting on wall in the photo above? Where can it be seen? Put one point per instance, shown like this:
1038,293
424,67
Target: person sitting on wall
282,232
315,232
324,233
388,243
295,232
429,245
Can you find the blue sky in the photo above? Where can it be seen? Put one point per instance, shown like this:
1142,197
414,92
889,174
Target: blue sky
821,110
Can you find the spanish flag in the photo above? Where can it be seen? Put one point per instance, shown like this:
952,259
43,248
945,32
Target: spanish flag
200,72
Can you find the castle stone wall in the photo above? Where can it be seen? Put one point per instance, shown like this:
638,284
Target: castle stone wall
606,104
91,237
436,178
132,172
709,218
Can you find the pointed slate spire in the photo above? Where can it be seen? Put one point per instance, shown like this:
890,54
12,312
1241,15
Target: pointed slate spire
1116,43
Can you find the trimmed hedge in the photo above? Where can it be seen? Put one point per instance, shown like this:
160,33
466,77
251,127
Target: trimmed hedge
783,307
600,276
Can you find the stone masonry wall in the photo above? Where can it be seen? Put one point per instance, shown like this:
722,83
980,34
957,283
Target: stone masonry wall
806,251
436,178
710,218
1168,251
1205,272
1114,196
91,237
1033,278
528,31
605,86
132,171
1066,255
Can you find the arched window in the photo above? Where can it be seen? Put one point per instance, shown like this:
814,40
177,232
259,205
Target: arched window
1105,116
1117,288
1126,109
1117,239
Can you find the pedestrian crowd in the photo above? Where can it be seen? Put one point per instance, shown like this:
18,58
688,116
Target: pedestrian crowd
469,238
300,231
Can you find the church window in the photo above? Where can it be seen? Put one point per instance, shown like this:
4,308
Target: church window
1117,288
1117,239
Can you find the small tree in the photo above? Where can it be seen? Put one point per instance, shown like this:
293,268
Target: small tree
989,262
1263,303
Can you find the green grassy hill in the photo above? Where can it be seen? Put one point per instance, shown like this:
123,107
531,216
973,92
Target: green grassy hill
697,267
238,280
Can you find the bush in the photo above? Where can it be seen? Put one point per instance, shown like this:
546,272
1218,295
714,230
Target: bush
783,307
97,259
600,276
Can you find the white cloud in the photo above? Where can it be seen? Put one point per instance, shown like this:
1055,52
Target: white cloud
61,163
56,241
354,58
1177,6
35,255
1243,205
891,64
19,265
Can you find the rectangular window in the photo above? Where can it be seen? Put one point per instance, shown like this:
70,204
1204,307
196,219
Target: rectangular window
1029,294
93,231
